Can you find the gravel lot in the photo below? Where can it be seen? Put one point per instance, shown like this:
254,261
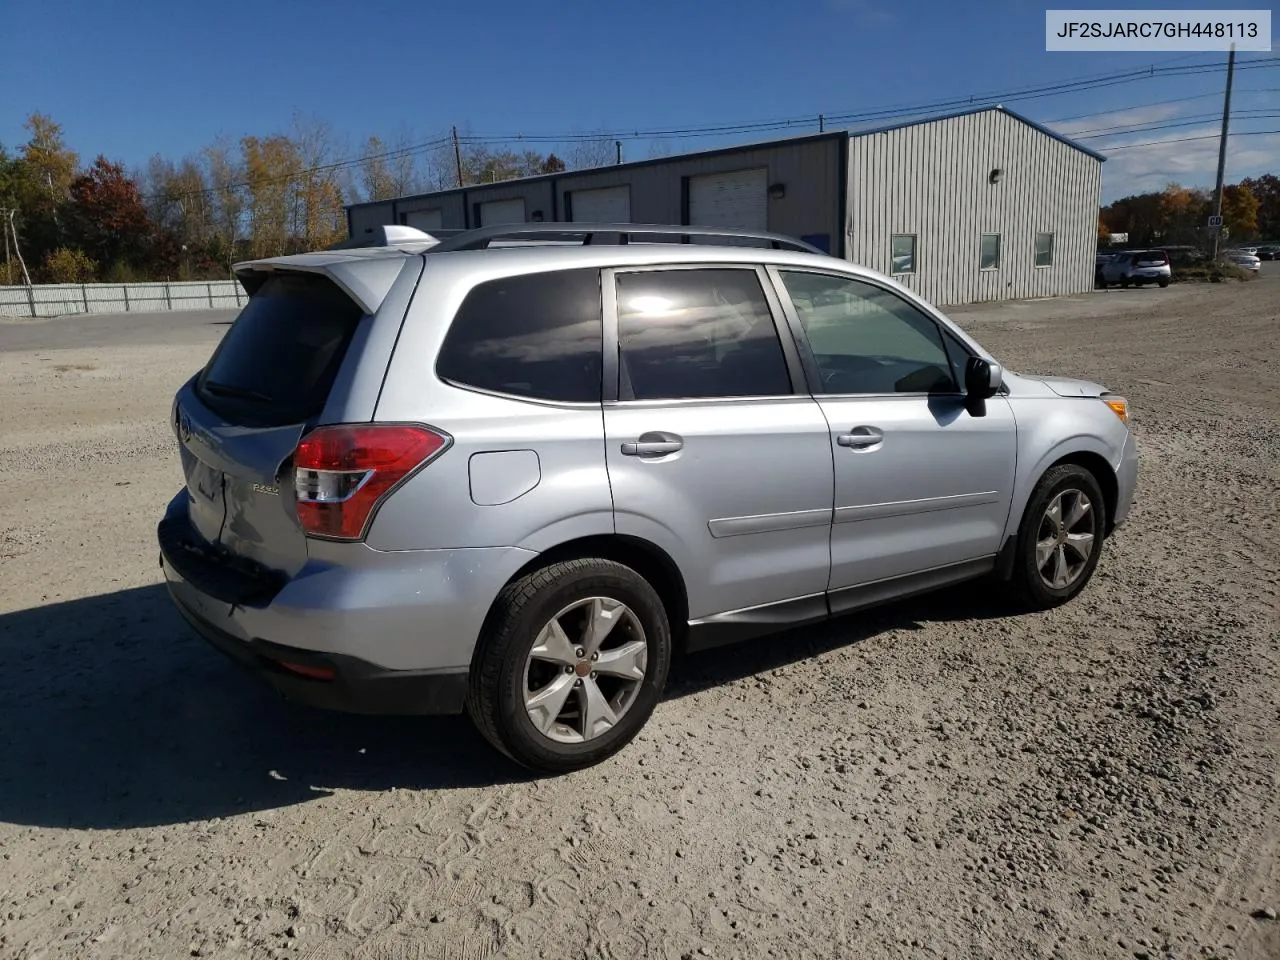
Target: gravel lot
934,779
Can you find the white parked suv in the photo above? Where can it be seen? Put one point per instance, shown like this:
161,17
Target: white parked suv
423,477
1136,267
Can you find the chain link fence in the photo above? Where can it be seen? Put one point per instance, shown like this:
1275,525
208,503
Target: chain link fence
57,299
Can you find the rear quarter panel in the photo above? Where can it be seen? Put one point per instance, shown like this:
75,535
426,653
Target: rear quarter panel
437,507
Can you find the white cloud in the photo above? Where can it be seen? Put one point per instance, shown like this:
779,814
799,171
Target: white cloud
1119,118
1193,164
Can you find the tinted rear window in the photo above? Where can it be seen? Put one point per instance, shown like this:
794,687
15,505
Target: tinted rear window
278,361
539,335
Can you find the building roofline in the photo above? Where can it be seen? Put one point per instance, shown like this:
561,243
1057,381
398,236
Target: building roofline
738,148
976,110
630,165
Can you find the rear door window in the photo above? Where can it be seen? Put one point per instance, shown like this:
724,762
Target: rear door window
277,363
537,335
697,333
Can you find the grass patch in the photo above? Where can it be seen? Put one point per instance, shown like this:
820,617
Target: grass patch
1212,273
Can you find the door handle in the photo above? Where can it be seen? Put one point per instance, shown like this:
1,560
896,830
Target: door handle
653,444
859,438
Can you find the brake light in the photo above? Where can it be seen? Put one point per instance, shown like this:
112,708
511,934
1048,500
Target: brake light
342,473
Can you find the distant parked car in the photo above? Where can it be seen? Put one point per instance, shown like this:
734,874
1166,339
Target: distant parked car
1137,267
1269,252
1244,260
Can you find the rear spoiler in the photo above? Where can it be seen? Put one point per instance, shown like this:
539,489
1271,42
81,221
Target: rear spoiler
366,280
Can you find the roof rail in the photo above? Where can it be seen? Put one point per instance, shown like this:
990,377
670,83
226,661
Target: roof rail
608,233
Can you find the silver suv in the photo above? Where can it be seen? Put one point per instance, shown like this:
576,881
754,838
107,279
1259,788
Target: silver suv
514,470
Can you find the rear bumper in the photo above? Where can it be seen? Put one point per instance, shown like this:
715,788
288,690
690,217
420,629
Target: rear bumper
350,685
396,629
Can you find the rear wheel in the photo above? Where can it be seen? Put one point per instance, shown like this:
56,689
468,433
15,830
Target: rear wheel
1124,281
572,663
1060,538
1163,284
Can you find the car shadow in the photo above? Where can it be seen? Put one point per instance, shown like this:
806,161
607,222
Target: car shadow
113,714
695,672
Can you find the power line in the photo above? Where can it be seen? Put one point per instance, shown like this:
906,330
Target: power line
976,100
886,113
1152,125
1211,136
1157,103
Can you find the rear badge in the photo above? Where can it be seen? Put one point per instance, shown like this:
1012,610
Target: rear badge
269,491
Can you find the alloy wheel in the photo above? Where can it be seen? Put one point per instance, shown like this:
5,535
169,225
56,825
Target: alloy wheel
1065,539
586,667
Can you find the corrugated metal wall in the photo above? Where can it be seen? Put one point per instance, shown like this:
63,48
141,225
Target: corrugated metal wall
931,180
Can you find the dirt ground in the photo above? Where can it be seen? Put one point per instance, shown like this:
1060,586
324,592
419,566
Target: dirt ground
938,778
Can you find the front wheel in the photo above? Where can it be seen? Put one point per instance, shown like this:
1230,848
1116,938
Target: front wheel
1163,284
572,663
1124,282
1060,538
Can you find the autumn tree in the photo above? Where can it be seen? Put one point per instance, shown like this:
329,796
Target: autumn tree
1266,189
225,176
376,180
1104,235
270,168
108,220
65,265
598,151
41,181
1240,211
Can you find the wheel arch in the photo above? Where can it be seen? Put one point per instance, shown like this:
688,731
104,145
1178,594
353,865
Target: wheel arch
1101,471
644,557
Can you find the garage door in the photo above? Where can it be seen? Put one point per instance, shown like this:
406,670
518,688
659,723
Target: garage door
497,212
427,220
606,205
737,200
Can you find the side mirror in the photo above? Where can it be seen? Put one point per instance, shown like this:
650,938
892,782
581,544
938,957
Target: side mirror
981,380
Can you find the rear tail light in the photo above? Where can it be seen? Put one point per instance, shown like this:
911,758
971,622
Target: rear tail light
341,474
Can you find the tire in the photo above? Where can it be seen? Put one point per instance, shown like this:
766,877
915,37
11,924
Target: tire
1163,283
1057,485
1124,282
504,666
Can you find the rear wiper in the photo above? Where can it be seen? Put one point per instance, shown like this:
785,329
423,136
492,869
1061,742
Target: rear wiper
240,393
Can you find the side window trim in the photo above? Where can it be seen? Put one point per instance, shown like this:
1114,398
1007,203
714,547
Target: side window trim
618,390
813,374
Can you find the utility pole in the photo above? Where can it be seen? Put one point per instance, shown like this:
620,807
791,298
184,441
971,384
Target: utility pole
822,124
457,155
617,144
1222,152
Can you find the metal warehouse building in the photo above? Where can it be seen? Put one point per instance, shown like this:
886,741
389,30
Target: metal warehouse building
979,205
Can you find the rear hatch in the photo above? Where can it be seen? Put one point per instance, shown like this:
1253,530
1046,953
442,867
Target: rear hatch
239,420
1151,258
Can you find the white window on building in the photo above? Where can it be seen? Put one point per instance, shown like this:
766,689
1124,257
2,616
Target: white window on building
990,255
1044,249
902,250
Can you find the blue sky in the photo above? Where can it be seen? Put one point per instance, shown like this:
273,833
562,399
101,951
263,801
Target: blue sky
131,80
